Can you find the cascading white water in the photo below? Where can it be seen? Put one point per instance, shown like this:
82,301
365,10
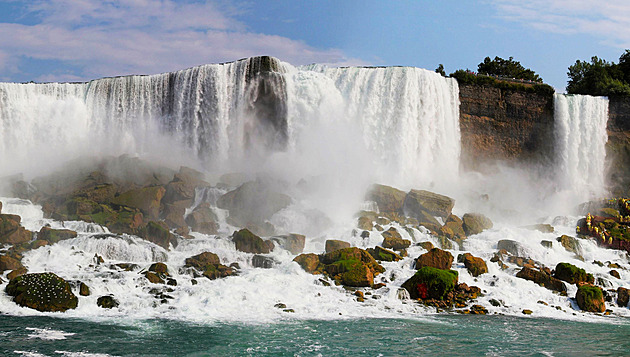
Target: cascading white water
580,125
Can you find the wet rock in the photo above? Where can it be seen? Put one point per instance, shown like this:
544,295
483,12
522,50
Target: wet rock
309,262
11,232
107,302
333,245
253,202
146,199
159,233
431,283
53,236
153,277
9,263
42,292
182,187
543,228
17,272
435,258
476,266
475,223
546,243
590,298
248,242
203,220
527,312
351,266
393,240
615,274
478,310
388,199
265,262
84,290
456,225
426,245
365,223
542,278
383,254
571,244
623,296
159,268
512,247
419,202
294,243
174,216
209,265
572,274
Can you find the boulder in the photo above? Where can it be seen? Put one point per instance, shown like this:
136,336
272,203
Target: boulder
253,202
475,223
333,245
351,266
393,240
107,302
388,199
365,223
42,292
510,246
546,243
615,274
53,236
209,265
174,215
154,277
426,245
203,220
11,232
158,233
623,296
417,201
431,283
309,262
84,290
182,187
572,274
248,242
263,261
294,243
159,268
571,244
476,266
435,258
9,263
146,199
590,298
383,254
542,278
456,225
17,272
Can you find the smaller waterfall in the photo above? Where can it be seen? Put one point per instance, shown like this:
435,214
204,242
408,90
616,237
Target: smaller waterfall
580,126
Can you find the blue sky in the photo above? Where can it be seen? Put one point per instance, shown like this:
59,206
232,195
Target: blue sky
76,40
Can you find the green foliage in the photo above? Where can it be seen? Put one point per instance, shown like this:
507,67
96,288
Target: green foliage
600,77
572,274
439,282
440,70
507,68
467,77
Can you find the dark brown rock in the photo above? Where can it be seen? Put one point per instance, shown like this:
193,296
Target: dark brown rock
146,199
543,279
435,258
9,263
475,223
476,266
419,201
248,242
309,262
11,232
42,292
55,235
333,245
393,240
387,198
203,220
623,296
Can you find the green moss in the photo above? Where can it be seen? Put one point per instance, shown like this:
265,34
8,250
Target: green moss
438,282
590,295
572,274
464,77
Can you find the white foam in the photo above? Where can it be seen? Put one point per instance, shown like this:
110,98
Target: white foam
48,334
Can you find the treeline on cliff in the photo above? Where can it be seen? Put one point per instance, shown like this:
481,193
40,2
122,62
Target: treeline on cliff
600,77
506,74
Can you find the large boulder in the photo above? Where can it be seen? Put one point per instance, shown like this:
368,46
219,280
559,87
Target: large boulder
380,253
11,232
476,266
146,199
53,236
510,246
590,298
183,185
393,240
419,202
42,292
351,266
334,244
294,243
571,244
623,296
475,223
253,202
572,274
431,283
203,220
158,233
435,258
456,225
248,242
9,263
309,262
388,199
107,302
542,278
208,265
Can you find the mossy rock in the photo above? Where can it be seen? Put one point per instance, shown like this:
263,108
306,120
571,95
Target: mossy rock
146,199
334,244
53,236
431,283
382,254
572,274
248,242
393,240
590,298
107,302
309,262
42,292
158,233
351,272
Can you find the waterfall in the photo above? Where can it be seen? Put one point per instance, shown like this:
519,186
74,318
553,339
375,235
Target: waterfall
580,126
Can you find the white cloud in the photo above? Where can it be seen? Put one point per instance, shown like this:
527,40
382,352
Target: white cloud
107,38
608,19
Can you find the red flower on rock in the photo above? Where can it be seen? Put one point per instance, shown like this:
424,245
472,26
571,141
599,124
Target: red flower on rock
423,291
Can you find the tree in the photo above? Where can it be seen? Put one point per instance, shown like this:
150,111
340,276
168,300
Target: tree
507,68
440,70
600,77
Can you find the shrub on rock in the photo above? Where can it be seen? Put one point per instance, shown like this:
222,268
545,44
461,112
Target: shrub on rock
572,274
431,283
590,298
42,292
435,258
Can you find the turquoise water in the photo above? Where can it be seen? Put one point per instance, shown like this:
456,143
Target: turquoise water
440,335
